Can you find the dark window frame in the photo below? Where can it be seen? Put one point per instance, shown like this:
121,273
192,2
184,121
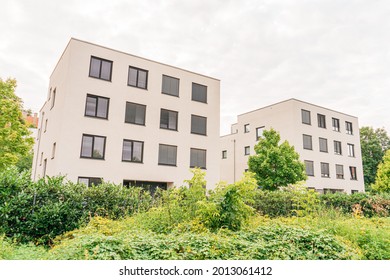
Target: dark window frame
224,154
321,119
197,133
177,119
336,124
320,139
193,98
352,172
166,164
303,111
257,132
93,144
137,79
247,150
247,128
205,158
351,150
53,100
323,174
335,145
89,180
311,142
312,167
144,114
349,128
97,97
339,175
178,86
100,70
132,151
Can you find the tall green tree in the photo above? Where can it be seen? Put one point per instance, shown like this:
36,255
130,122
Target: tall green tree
15,140
374,144
275,165
382,182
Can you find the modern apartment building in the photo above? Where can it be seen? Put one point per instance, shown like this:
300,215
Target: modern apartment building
125,119
327,141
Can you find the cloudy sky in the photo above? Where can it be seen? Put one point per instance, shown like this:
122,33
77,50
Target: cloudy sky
333,53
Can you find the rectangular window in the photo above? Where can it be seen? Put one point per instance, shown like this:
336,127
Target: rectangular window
93,146
170,85
323,145
40,162
168,119
259,132
339,171
321,121
336,124
132,151
44,168
306,117
45,126
224,154
337,147
167,155
53,100
307,142
198,125
53,151
96,106
100,68
89,181
137,77
348,128
352,170
246,128
135,113
198,158
351,150
247,150
199,93
324,169
309,167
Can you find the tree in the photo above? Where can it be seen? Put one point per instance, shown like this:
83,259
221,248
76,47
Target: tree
275,165
374,144
15,142
382,182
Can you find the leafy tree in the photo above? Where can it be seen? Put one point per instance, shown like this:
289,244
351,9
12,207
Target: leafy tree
382,182
374,144
275,165
15,141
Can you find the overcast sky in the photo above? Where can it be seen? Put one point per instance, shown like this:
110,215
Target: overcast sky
333,53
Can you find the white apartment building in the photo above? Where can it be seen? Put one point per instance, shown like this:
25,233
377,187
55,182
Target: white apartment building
327,141
125,119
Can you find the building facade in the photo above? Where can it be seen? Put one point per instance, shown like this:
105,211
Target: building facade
327,141
125,119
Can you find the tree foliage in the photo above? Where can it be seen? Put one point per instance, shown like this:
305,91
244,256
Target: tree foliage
275,165
382,182
374,144
15,142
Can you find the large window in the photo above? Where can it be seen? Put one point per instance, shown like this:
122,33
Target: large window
198,158
132,151
168,119
336,124
339,171
100,68
325,169
259,132
199,93
93,146
348,128
337,147
96,106
351,150
137,77
309,167
135,113
306,117
323,145
167,155
307,142
321,121
198,125
89,181
352,171
170,85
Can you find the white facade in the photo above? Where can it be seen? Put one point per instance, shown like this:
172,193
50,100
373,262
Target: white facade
333,160
107,117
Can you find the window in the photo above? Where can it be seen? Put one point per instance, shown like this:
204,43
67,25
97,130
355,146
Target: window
259,132
336,124
306,117
348,128
354,191
137,78
44,168
100,68
135,113
89,181
352,170
199,93
132,151
323,145
49,95
168,119
53,151
309,167
96,106
53,100
170,85
224,154
93,146
337,147
351,150
324,169
246,128
198,158
307,142
321,121
339,171
198,125
247,150
40,162
167,155
45,126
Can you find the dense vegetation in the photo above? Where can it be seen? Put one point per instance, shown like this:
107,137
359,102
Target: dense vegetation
55,219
